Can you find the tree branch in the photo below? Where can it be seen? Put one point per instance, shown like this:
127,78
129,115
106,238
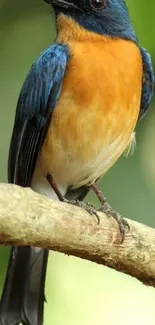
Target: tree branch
27,218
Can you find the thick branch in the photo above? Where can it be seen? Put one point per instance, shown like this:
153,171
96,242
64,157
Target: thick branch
27,218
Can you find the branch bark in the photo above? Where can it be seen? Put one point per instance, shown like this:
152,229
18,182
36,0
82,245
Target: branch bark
28,218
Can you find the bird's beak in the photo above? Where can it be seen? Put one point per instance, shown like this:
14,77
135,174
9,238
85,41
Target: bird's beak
67,4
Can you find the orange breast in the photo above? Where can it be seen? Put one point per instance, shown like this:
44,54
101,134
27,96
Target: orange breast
97,110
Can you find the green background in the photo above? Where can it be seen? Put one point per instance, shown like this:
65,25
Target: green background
77,291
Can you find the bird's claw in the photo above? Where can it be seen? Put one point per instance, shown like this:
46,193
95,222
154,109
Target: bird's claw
106,208
86,206
122,223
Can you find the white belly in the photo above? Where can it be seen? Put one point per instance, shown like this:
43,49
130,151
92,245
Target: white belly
76,174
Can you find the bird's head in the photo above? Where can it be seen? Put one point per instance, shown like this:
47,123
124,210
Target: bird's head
108,17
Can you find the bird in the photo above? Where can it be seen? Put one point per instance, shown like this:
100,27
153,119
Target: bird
75,116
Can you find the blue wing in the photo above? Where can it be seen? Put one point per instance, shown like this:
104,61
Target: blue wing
148,82
36,102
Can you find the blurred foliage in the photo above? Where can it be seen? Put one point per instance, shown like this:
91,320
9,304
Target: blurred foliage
80,292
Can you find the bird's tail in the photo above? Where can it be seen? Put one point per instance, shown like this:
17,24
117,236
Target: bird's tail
23,294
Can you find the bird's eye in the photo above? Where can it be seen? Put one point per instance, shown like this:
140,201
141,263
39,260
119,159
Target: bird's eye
97,4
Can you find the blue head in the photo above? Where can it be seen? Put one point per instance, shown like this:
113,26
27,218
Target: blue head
109,17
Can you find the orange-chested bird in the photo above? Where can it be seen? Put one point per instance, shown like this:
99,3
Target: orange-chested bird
75,116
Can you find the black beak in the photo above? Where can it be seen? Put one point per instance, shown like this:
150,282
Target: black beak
62,4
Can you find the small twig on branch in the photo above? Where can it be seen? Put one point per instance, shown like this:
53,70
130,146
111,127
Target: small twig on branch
27,218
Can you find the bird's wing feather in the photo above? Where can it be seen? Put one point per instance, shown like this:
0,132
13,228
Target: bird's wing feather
23,294
147,83
37,100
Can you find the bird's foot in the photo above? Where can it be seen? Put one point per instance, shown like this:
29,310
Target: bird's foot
107,209
86,206
122,223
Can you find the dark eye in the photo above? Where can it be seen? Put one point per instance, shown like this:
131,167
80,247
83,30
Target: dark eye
97,4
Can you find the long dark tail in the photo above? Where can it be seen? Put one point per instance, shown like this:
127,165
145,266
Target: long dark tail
23,294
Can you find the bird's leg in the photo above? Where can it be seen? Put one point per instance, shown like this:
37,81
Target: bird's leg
105,206
99,193
55,187
87,206
107,209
